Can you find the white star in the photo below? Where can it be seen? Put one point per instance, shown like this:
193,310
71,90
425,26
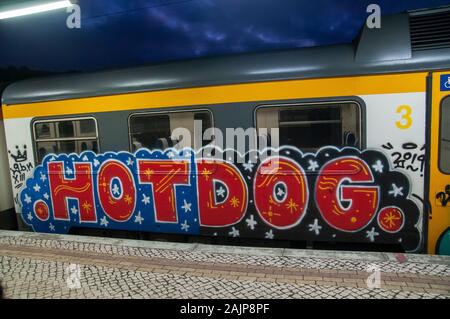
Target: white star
234,232
371,234
96,162
396,191
251,222
145,199
37,188
315,227
43,177
104,222
85,158
280,192
186,206
269,234
74,210
170,155
29,216
220,192
187,154
248,166
129,161
185,226
69,171
52,227
312,165
46,196
115,190
378,166
27,199
138,218
52,159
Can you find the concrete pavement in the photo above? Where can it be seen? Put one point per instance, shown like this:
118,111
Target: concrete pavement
34,265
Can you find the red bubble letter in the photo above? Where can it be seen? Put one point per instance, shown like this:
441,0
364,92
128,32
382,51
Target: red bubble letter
344,205
222,193
80,188
117,202
163,175
280,191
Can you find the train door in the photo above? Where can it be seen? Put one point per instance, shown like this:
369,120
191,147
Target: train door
439,184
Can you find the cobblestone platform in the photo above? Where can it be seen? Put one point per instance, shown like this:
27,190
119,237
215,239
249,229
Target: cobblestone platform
58,266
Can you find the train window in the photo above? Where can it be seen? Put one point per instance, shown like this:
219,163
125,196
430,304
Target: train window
312,126
444,145
65,136
206,121
154,130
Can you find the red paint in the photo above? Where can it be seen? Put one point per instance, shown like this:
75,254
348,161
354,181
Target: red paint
284,209
118,207
164,175
41,210
214,212
391,219
347,207
80,188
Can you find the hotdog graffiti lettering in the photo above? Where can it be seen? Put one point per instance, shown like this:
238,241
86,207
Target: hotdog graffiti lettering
333,195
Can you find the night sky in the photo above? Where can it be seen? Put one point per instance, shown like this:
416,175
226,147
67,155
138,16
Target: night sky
122,33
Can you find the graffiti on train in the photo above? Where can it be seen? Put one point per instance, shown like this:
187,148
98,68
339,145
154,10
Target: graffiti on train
332,195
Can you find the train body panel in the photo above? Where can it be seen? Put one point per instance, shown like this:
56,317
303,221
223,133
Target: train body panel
388,119
6,201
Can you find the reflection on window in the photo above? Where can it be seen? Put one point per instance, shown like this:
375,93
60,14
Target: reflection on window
65,136
444,145
154,131
310,127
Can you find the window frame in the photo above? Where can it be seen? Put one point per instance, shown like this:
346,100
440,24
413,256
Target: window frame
441,106
62,139
168,112
356,101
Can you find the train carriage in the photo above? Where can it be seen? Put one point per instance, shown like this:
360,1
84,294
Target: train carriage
356,144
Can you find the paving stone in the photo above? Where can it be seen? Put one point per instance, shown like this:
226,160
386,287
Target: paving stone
38,266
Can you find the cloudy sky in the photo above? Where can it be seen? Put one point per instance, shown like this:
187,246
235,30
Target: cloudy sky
122,33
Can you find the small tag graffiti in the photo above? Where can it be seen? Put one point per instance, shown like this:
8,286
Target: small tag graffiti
444,197
409,156
20,166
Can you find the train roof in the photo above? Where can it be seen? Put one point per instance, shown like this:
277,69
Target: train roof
406,42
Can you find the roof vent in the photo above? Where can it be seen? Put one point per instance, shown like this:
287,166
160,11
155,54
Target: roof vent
430,29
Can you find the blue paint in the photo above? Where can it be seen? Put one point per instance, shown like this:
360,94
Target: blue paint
445,82
33,193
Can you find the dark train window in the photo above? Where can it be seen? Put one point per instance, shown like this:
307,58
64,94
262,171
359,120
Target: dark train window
65,136
312,126
444,143
154,130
